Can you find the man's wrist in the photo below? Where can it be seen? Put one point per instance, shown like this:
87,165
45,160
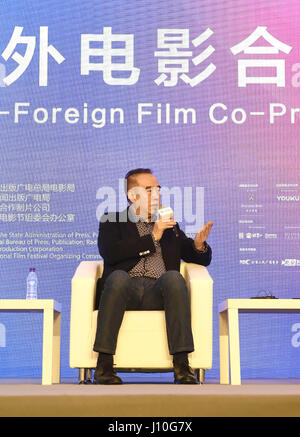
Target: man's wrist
154,237
202,248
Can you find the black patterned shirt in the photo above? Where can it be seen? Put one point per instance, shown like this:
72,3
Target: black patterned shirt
151,266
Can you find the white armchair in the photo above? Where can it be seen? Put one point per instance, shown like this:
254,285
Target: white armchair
142,342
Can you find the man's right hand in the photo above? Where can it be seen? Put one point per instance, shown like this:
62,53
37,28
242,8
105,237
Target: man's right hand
159,227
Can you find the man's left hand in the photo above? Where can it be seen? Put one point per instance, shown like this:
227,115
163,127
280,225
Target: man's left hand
202,235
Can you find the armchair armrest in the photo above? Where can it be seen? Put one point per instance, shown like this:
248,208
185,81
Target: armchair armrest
200,286
82,306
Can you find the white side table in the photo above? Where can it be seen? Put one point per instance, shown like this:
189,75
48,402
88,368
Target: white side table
229,341
51,331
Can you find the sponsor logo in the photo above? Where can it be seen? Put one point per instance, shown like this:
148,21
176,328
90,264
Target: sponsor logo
286,185
271,236
288,198
259,261
290,262
292,236
249,235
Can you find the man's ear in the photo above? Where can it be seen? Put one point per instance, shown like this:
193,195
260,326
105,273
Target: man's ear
131,196
135,193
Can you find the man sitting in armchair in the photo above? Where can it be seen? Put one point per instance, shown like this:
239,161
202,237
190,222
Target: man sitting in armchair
142,254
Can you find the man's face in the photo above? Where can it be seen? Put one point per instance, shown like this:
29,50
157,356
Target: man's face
145,194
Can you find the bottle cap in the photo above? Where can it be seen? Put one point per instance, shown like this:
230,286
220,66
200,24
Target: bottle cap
32,269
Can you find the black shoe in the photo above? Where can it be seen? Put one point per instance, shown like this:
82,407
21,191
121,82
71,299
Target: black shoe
106,376
183,374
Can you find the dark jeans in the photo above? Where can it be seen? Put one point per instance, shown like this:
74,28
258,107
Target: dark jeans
122,293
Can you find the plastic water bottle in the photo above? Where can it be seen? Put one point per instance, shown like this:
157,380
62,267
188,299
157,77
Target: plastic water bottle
32,280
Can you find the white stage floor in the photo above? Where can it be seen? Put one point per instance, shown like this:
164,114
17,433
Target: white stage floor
254,398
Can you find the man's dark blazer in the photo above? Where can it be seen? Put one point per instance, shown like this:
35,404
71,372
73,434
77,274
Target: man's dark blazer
121,247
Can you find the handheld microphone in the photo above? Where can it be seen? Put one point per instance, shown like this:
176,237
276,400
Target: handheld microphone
166,214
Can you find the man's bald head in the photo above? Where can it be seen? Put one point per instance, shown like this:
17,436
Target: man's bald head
131,178
143,191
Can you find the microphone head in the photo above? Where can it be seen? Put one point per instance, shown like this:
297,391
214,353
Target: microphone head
165,213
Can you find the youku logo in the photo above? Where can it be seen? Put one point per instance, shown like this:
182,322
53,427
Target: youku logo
288,198
187,203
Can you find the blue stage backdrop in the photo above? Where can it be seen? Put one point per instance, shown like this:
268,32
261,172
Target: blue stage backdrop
205,93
